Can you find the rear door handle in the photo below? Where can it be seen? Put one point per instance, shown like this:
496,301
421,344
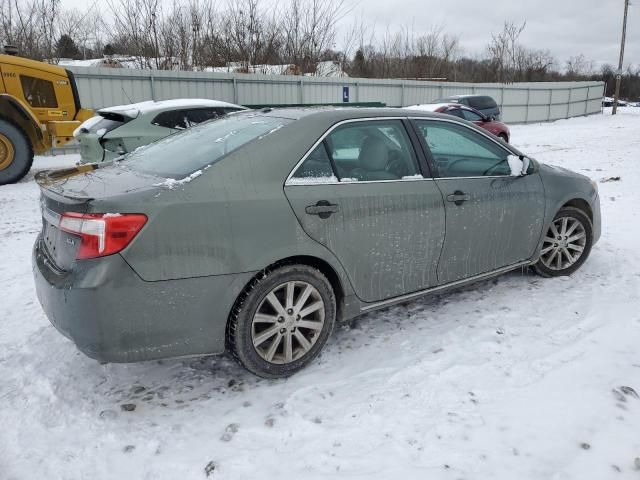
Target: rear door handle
458,197
323,209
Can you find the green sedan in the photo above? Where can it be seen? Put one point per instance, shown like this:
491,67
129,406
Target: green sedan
257,232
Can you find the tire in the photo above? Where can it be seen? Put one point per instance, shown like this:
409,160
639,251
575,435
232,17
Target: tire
504,137
16,153
548,265
260,328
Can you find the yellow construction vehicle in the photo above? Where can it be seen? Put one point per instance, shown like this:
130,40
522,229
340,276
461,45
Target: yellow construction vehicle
39,110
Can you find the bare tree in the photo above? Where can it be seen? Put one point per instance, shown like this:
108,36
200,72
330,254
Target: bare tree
578,66
503,50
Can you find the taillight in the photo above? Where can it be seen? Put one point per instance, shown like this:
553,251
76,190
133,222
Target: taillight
102,234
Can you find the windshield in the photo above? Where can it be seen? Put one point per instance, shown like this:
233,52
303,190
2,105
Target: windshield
186,152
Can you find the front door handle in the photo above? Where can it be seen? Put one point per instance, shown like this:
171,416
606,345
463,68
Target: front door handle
458,197
323,209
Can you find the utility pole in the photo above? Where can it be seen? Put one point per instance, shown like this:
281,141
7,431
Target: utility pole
619,72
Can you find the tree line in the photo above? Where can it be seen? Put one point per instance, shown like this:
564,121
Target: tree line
196,34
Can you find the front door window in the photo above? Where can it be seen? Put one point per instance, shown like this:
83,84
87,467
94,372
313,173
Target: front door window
459,151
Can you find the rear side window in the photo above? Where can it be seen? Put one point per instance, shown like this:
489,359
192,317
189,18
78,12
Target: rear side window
206,144
181,119
199,115
316,168
372,151
482,103
360,151
38,93
173,119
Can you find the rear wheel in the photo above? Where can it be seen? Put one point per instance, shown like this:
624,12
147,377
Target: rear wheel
282,321
504,137
566,244
16,154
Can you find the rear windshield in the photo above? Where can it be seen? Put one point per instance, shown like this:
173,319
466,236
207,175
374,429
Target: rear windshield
190,150
104,125
481,103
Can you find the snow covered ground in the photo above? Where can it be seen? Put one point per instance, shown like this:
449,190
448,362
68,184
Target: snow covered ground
515,378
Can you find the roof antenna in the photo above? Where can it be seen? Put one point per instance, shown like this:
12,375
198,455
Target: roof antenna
125,94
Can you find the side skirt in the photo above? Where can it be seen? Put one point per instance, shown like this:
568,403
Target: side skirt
458,283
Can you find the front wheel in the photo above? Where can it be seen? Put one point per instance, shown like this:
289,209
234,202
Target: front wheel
566,244
16,154
282,320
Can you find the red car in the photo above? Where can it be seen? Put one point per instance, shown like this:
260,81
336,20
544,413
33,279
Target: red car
471,114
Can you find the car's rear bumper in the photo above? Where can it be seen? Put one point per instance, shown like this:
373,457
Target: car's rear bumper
113,316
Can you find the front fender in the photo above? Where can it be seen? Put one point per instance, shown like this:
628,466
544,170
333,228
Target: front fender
564,187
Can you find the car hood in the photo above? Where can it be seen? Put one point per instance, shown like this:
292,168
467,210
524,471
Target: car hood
96,181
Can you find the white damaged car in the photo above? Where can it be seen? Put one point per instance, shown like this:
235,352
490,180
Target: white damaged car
118,130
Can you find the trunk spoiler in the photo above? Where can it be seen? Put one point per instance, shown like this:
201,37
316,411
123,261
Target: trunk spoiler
46,178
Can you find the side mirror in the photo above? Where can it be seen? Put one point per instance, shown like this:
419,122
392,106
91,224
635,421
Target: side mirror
518,165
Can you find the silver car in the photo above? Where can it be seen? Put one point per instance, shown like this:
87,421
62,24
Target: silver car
118,130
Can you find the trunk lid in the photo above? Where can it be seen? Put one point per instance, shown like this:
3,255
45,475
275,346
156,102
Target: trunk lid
74,190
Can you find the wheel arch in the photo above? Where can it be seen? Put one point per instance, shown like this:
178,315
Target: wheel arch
325,268
315,262
15,112
580,204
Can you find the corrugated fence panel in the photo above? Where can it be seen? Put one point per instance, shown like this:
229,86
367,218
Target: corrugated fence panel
520,102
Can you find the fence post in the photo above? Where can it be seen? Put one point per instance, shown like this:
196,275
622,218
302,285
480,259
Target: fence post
526,110
153,88
402,94
301,91
549,106
357,85
569,102
586,101
235,90
502,101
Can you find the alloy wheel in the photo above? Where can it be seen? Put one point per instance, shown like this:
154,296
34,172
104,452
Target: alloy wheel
563,244
288,322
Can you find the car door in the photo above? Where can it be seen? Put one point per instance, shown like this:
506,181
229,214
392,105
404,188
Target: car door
362,193
493,219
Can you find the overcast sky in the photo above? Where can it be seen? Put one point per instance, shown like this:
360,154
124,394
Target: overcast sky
566,27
